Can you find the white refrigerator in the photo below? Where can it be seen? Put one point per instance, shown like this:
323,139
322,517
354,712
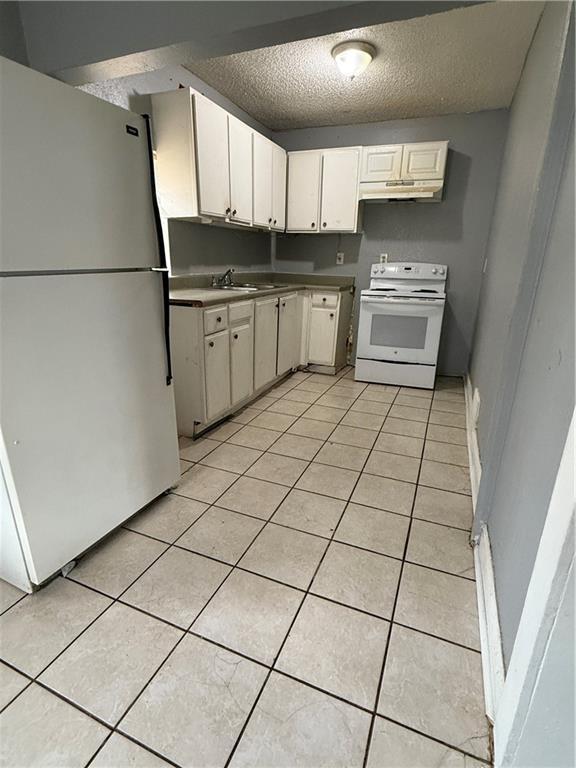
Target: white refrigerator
87,421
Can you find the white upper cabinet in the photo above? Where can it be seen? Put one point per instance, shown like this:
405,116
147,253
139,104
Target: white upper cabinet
323,190
240,146
211,124
304,179
278,187
210,165
262,180
424,161
383,163
339,210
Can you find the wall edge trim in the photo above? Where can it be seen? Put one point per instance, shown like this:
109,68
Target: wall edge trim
472,442
490,638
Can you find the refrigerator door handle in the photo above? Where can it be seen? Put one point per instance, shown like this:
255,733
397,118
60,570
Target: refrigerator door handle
161,253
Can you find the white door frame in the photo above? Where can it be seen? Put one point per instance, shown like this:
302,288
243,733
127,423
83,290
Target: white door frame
549,577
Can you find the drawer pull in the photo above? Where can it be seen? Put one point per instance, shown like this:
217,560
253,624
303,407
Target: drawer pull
218,319
324,299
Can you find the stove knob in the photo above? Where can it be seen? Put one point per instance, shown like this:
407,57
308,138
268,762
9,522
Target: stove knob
441,270
434,270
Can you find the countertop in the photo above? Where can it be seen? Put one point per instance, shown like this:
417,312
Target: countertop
206,297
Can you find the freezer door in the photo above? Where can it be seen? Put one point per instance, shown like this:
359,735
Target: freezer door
74,179
87,422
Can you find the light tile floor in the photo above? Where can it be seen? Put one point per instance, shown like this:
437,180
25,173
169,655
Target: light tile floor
304,597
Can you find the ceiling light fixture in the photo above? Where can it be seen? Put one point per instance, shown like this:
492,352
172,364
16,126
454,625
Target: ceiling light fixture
353,57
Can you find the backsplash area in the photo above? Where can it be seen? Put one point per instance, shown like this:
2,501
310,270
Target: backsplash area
196,248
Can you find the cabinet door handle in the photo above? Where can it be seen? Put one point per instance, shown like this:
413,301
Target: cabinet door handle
218,319
228,210
324,298
270,220
283,303
210,343
331,314
235,335
234,212
313,225
275,221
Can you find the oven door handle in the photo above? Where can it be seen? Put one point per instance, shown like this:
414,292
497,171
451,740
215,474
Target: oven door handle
395,300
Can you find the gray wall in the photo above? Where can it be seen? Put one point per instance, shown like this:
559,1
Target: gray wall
453,232
523,359
541,412
548,735
530,124
200,248
12,42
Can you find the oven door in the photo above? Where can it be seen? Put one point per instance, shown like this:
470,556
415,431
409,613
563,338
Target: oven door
400,330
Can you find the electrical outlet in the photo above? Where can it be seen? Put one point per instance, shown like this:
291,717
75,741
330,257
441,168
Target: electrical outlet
339,258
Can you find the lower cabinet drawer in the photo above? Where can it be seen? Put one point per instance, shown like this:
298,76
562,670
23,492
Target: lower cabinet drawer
329,300
240,311
215,319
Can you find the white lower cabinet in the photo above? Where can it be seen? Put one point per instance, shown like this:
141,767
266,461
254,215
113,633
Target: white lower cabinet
288,333
265,340
241,362
217,373
224,355
323,328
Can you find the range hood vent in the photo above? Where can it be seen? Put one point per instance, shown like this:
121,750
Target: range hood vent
407,191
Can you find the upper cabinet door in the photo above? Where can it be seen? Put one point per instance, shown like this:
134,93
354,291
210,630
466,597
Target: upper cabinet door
262,166
424,161
278,187
382,163
340,190
304,172
211,122
240,142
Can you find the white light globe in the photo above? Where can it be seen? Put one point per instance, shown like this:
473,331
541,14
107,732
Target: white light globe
352,58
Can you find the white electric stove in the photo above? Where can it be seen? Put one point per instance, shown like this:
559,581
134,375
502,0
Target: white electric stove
400,324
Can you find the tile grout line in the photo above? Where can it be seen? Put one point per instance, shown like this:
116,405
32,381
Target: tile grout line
292,623
387,648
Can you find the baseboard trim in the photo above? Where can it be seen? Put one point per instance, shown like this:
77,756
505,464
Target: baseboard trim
472,441
490,638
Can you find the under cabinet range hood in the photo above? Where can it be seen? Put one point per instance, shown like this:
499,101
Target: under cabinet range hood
406,191
403,172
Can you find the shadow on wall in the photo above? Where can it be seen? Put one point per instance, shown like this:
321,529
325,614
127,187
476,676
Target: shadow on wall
202,248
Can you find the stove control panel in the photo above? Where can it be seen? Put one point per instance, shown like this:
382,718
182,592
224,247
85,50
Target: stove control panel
409,270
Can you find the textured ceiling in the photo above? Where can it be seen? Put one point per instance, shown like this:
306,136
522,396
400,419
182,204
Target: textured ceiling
464,60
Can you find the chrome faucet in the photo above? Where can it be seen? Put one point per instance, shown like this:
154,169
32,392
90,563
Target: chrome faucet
225,279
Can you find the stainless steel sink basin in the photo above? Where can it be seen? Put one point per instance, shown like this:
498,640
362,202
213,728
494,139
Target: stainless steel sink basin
246,287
